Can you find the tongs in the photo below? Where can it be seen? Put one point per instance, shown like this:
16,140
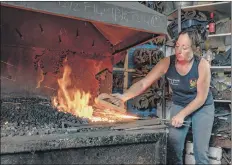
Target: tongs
185,123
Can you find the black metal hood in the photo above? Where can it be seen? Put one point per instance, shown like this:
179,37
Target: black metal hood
124,24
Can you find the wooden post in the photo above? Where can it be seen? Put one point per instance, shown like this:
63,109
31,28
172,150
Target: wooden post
125,84
126,74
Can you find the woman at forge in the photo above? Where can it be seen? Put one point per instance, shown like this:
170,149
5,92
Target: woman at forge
189,77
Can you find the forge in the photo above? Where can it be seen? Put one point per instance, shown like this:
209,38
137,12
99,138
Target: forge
56,58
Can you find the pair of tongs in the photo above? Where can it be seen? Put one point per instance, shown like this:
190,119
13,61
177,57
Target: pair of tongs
185,123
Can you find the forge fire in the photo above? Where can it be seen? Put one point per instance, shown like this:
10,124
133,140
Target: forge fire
74,101
32,116
46,82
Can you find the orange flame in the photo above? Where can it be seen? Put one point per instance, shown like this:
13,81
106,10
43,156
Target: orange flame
72,100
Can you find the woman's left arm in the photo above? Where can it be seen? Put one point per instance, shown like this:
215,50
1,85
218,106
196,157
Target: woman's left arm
203,84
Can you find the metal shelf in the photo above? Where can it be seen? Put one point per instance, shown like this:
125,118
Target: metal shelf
213,134
208,6
219,135
220,67
221,7
223,101
220,35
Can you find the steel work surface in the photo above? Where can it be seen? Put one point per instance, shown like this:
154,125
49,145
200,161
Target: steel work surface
146,146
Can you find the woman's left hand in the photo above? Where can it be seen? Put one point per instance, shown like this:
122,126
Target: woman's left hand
178,120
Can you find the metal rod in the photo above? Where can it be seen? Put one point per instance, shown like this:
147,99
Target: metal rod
164,113
179,18
184,125
170,120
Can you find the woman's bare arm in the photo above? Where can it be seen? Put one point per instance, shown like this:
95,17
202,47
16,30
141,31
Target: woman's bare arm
139,87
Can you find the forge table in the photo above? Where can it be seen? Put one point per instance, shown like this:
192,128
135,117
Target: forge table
112,146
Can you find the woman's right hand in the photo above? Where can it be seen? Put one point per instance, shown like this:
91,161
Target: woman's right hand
118,98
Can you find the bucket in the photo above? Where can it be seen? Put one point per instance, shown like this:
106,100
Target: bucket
215,153
189,148
189,159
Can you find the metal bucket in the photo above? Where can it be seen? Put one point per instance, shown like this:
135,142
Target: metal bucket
189,148
189,159
214,152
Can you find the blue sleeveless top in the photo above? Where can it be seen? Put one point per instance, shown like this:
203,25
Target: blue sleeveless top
185,87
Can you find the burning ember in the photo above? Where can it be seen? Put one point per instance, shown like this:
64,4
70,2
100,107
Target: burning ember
74,101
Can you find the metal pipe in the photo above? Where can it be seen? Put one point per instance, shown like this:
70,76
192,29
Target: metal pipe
164,113
179,17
